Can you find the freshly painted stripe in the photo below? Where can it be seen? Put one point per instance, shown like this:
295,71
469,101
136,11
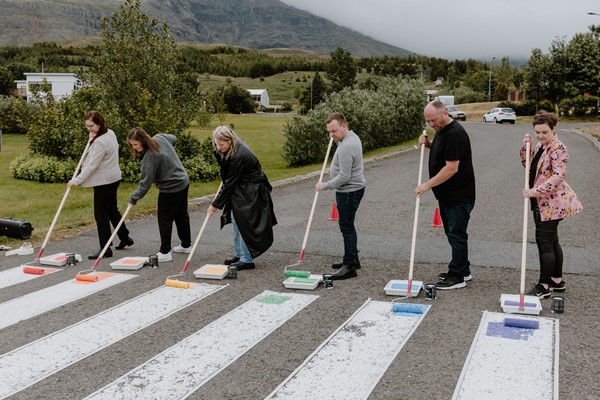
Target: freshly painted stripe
39,302
182,369
349,363
507,362
16,275
35,361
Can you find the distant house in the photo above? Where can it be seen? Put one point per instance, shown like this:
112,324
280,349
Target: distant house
62,84
261,97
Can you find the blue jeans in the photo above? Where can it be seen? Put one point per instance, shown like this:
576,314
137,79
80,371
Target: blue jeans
241,250
347,204
456,220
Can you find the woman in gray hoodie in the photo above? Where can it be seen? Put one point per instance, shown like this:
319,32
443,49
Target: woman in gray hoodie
161,165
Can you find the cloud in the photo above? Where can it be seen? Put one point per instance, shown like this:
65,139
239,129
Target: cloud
460,29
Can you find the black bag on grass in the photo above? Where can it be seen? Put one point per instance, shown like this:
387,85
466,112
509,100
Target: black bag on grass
15,228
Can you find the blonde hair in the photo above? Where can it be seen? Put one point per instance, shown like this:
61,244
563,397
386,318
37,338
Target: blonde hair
225,134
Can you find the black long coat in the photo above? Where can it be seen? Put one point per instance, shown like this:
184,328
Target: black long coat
246,192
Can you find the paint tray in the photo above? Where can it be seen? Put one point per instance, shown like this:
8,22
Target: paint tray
129,263
510,304
309,283
211,271
58,259
397,287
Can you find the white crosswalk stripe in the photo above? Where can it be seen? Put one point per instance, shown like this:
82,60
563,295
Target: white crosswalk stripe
353,359
183,368
511,363
16,275
36,303
33,362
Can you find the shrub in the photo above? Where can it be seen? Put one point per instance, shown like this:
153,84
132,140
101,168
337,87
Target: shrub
389,115
42,168
579,105
130,170
16,115
200,169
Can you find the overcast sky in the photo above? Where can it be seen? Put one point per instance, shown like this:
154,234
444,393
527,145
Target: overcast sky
460,29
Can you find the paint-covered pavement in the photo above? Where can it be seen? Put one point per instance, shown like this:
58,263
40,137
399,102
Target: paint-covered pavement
428,366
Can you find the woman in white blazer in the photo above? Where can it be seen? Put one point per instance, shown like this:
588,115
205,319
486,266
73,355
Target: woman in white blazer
100,170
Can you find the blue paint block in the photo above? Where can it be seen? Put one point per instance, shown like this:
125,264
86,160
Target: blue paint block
521,323
399,286
408,309
499,329
518,304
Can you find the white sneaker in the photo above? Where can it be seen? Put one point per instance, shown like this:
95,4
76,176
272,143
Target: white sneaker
181,249
164,257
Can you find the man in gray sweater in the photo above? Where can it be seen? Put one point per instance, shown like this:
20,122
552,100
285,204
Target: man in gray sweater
348,180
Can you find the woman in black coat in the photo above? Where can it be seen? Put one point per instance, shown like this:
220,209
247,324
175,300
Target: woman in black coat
245,198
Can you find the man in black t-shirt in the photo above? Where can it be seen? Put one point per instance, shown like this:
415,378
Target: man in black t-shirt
452,181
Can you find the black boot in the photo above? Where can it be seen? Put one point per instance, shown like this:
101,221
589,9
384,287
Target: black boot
97,254
232,260
338,265
345,272
124,243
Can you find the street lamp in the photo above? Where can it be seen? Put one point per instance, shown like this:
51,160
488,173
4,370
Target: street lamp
593,13
490,82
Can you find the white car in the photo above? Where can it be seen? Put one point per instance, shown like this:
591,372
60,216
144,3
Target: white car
499,115
455,113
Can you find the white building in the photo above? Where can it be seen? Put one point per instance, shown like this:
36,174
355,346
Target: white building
261,96
62,84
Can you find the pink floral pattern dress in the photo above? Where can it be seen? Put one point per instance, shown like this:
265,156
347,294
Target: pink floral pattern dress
555,198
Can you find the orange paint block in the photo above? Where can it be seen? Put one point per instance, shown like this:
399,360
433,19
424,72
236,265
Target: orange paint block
91,278
33,270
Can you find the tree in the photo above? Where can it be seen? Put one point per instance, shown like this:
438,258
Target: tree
136,75
340,70
7,83
315,93
583,74
238,100
535,75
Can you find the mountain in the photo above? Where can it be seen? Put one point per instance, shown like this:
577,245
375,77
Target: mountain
258,24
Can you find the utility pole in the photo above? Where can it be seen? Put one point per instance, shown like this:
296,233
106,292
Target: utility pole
490,82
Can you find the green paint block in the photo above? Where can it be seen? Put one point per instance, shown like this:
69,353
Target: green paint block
273,299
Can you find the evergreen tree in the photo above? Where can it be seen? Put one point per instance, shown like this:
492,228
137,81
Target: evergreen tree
341,70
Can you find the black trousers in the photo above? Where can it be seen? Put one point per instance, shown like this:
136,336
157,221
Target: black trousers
173,207
551,254
107,213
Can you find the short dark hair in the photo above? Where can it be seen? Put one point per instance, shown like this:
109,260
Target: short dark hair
545,117
337,116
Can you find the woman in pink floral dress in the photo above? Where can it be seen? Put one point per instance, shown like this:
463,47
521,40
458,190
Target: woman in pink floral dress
552,199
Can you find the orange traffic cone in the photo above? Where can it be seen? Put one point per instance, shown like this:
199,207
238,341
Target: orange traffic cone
334,213
437,220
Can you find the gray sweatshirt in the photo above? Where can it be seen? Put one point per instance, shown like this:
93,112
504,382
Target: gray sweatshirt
346,169
162,168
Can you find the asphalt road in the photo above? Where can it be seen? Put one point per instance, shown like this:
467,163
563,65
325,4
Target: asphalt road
439,347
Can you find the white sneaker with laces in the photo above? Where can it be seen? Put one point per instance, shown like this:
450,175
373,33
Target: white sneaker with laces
181,249
164,257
